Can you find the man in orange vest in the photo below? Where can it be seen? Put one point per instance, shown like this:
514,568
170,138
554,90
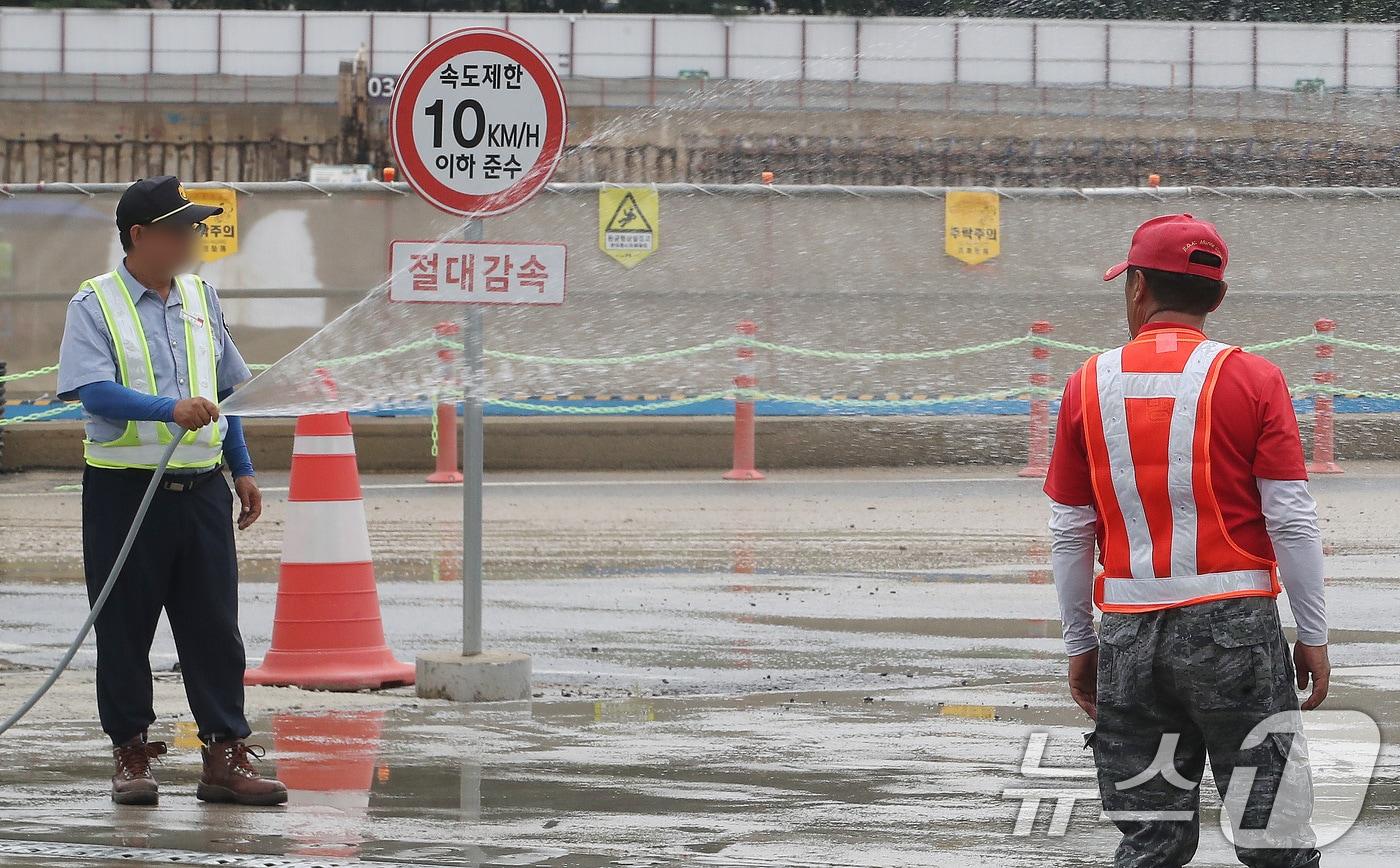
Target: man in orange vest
1179,459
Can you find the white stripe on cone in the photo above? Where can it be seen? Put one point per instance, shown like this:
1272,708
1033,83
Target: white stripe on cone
340,535
318,444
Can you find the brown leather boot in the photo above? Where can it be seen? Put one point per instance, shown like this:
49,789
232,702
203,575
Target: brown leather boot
229,776
133,783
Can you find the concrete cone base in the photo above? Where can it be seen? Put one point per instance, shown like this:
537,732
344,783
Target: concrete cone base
491,676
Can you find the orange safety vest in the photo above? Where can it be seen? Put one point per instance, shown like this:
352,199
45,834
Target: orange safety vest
1147,423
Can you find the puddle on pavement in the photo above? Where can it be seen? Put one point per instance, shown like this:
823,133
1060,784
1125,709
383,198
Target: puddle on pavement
841,778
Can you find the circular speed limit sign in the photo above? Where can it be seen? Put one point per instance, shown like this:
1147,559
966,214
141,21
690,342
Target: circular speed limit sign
477,122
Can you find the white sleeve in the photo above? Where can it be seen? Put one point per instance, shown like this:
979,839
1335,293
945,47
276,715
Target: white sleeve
1072,561
1290,515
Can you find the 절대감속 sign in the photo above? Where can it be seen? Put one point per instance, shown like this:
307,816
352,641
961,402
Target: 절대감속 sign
476,272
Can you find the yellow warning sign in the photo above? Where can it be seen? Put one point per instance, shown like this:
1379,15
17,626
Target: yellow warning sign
223,228
972,226
629,223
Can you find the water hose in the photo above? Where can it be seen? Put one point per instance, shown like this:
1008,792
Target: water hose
106,588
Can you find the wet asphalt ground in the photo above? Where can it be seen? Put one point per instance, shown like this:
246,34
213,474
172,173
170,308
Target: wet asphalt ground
827,668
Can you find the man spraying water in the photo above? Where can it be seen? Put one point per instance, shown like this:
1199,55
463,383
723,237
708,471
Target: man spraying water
144,345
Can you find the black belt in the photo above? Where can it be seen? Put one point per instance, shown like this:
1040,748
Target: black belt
175,481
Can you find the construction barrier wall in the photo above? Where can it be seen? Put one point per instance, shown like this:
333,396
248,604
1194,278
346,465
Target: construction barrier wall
1175,54
827,268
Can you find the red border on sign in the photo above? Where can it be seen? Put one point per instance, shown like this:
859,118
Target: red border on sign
411,83
563,295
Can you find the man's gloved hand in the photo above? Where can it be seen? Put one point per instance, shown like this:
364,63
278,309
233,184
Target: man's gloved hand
194,413
250,497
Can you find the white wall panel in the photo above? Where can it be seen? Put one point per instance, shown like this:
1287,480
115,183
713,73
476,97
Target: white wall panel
613,49
29,41
994,52
1150,55
766,48
187,43
1223,55
263,43
903,50
830,49
1372,54
108,42
1287,54
689,43
334,37
397,37
549,34
444,22
1071,53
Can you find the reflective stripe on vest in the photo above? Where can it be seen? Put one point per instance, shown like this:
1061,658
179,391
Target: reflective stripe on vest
1230,571
142,443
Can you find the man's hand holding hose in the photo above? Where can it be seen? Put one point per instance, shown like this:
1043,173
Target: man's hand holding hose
193,414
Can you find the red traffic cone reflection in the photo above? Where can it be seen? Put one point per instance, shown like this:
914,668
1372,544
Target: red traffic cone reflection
327,633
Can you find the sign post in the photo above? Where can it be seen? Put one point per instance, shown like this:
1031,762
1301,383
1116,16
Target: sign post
473,469
477,124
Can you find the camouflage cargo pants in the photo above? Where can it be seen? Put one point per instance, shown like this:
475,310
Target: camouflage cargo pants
1176,686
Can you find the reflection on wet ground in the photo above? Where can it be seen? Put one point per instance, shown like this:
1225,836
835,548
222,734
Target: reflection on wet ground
827,688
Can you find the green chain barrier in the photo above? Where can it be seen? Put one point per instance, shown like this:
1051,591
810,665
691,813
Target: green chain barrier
788,349
388,351
575,410
916,355
35,417
1350,344
1287,342
37,372
755,395
1040,340
1252,348
434,415
612,360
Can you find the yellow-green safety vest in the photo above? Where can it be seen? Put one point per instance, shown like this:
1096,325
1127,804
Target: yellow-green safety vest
142,443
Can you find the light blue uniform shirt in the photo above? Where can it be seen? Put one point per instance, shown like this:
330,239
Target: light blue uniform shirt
87,354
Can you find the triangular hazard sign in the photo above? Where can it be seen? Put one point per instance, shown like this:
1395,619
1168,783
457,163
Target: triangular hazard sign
628,217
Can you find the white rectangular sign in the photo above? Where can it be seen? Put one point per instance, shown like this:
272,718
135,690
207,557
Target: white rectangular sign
476,272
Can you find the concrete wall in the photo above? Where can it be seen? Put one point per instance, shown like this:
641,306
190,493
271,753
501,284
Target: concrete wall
401,445
1161,54
857,270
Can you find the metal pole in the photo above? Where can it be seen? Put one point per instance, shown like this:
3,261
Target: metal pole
472,464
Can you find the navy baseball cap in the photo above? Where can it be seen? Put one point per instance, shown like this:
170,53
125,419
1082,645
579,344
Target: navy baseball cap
151,200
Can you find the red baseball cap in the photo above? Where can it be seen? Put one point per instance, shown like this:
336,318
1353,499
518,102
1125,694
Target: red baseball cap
1166,243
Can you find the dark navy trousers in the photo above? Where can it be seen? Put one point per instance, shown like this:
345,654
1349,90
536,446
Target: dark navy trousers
182,561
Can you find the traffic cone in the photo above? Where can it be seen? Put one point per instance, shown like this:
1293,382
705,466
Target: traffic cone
327,633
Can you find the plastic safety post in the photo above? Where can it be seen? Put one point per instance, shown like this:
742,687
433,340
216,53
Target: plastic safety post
445,427
1324,458
1038,447
746,381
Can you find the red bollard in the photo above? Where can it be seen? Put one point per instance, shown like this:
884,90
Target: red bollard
1038,448
446,469
747,378
1324,458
